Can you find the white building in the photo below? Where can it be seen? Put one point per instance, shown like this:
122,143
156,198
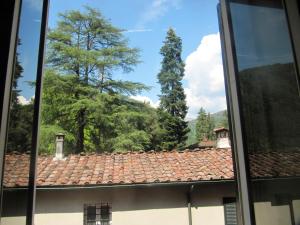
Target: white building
144,188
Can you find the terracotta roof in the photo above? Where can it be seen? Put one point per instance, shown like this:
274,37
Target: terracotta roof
220,129
122,168
146,167
275,164
207,143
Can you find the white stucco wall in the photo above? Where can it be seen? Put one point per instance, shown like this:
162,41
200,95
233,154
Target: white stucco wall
296,207
17,220
149,205
266,214
134,206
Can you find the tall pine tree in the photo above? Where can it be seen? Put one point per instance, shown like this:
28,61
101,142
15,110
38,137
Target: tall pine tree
173,108
86,49
204,126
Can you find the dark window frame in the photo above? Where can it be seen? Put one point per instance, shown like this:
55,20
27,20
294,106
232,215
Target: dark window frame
102,214
245,209
7,68
228,203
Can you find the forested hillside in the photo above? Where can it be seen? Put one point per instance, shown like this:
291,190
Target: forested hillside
219,119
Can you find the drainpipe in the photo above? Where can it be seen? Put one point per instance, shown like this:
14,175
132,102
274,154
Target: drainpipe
189,200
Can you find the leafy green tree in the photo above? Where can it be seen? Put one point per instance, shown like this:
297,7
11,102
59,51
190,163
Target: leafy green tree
224,121
47,139
173,108
204,126
20,117
211,127
85,50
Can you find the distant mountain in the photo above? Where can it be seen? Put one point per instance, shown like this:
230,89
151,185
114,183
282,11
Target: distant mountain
218,117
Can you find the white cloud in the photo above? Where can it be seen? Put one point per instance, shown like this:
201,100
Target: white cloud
22,100
137,30
145,100
204,76
157,9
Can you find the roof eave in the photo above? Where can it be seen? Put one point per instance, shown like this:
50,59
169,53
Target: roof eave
104,186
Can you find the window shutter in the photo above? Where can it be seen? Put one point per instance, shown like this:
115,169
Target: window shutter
230,211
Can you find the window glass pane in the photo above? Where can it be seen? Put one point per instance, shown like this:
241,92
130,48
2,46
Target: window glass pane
270,107
19,138
91,213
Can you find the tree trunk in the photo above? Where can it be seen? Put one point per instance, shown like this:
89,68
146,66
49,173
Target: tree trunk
101,79
86,72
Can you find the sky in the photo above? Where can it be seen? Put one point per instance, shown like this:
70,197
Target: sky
145,23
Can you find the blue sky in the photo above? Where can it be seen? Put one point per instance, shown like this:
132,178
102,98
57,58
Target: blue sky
146,22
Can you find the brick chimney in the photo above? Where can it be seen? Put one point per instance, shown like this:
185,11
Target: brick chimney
222,134
59,146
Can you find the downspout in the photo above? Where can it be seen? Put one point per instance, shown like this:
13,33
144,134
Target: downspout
189,204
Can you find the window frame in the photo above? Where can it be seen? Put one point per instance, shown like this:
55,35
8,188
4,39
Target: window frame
245,207
99,208
7,71
227,202
11,24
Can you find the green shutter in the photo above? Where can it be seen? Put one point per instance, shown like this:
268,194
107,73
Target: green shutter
230,211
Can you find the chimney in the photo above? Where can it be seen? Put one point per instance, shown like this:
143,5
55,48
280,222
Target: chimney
222,134
59,146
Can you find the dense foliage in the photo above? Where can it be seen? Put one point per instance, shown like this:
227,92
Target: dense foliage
81,96
173,108
204,126
219,119
20,117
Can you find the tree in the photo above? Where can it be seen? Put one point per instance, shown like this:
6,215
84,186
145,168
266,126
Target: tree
115,122
224,121
204,126
173,108
20,117
85,49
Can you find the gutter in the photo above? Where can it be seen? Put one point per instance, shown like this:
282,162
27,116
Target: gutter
163,184
105,186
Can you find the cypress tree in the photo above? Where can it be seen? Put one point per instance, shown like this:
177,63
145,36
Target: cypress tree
173,108
204,126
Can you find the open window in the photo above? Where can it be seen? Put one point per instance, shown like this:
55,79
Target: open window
261,53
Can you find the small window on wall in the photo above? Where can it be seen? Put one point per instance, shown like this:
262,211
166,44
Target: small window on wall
230,211
97,214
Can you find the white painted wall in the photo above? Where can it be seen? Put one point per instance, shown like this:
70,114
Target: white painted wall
223,143
296,207
150,205
134,206
18,220
266,214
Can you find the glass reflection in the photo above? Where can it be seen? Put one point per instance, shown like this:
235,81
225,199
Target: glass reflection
19,143
270,107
